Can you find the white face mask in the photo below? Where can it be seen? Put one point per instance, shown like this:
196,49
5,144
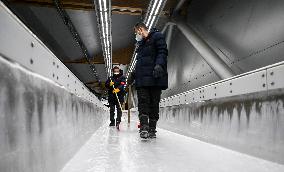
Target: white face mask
138,37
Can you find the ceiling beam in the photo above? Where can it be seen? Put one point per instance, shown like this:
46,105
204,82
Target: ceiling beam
131,3
83,61
67,21
79,5
121,56
69,4
126,10
126,7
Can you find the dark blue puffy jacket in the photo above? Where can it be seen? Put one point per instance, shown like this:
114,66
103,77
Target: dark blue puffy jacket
151,51
119,82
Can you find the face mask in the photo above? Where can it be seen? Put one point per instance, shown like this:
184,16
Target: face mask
138,37
116,73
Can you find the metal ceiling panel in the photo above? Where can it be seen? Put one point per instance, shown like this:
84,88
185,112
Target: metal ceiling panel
246,34
249,33
122,30
55,26
85,74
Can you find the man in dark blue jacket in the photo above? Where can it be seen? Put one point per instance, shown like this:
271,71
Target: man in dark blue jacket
150,76
118,81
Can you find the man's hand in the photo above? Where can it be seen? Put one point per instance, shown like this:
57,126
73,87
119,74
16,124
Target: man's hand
158,71
116,90
111,83
131,79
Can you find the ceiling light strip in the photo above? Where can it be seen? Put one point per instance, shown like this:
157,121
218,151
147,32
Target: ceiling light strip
103,14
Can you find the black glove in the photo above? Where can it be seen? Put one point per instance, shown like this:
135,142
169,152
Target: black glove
158,71
131,78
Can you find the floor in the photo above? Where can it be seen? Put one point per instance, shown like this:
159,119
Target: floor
111,150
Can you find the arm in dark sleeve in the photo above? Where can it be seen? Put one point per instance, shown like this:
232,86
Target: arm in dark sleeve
131,78
161,48
107,83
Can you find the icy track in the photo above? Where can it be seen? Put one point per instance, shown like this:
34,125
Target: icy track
109,150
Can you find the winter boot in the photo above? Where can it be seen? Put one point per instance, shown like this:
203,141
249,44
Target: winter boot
144,132
152,128
152,124
112,123
152,133
144,126
117,124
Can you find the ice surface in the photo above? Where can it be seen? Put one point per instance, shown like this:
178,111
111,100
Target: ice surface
122,151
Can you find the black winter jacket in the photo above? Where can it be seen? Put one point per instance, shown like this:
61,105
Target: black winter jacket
119,82
150,52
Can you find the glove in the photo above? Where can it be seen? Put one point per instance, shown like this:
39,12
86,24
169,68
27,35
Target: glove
116,90
158,71
111,83
131,79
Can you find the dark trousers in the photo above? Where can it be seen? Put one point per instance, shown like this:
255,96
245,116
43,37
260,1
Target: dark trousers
148,106
112,105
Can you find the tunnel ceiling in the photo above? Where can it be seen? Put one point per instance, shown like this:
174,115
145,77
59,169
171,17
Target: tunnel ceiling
43,19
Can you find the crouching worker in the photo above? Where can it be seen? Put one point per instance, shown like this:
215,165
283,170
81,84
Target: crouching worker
115,85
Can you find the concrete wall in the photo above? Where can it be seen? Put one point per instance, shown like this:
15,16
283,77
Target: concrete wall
246,34
41,124
252,124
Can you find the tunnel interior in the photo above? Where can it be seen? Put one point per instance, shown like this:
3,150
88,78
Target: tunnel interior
223,108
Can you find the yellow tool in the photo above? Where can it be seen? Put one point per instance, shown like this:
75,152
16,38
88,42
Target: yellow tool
116,95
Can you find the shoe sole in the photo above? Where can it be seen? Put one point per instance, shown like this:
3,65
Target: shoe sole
144,135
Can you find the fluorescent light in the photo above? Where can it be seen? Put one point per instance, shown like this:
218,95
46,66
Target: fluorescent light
152,9
105,31
100,5
106,43
105,4
106,27
102,23
155,14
